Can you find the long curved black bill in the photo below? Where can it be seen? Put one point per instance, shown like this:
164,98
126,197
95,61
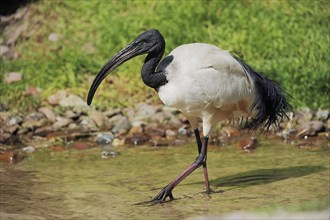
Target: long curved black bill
122,56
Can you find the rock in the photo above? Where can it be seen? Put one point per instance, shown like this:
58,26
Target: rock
154,130
71,114
15,120
28,149
73,126
32,91
117,142
43,131
105,138
12,77
303,115
247,144
121,124
57,97
158,142
178,142
98,118
35,116
49,114
4,50
112,112
310,128
170,134
136,130
33,124
71,101
58,148
137,139
87,124
182,131
81,145
11,156
60,123
53,37
322,115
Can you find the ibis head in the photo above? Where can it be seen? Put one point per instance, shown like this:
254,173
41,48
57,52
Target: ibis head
150,42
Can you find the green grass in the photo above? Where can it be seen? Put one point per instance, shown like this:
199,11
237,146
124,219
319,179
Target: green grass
287,40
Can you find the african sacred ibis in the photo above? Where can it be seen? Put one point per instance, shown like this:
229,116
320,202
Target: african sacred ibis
203,82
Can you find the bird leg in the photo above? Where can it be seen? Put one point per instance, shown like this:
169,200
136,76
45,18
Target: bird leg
167,190
208,189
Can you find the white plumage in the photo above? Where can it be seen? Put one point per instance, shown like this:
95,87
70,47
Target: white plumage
208,83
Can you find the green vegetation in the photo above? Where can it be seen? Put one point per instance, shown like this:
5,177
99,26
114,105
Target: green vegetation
287,40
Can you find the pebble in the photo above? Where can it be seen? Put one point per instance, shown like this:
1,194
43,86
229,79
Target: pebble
81,145
50,115
136,140
57,97
105,138
122,124
29,149
158,142
53,37
98,118
32,91
15,120
310,128
322,114
72,101
13,77
247,144
61,122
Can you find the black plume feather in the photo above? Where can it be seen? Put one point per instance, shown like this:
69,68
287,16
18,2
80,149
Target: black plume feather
270,102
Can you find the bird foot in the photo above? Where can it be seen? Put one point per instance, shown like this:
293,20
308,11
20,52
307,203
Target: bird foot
210,191
163,194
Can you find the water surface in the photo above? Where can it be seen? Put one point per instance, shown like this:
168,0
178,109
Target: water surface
78,184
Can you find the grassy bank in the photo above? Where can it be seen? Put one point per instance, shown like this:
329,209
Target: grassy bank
288,40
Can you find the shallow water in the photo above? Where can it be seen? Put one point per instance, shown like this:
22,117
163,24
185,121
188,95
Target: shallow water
78,184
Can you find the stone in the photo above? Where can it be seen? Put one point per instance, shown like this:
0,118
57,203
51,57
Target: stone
137,139
121,124
112,112
322,114
104,138
170,134
15,120
53,37
303,115
32,91
81,145
60,123
310,128
33,124
98,118
158,142
13,77
29,149
71,101
247,144
57,97
49,114
3,50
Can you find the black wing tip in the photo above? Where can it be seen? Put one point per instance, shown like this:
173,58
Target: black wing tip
271,101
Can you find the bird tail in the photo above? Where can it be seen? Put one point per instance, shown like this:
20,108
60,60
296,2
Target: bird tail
270,102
